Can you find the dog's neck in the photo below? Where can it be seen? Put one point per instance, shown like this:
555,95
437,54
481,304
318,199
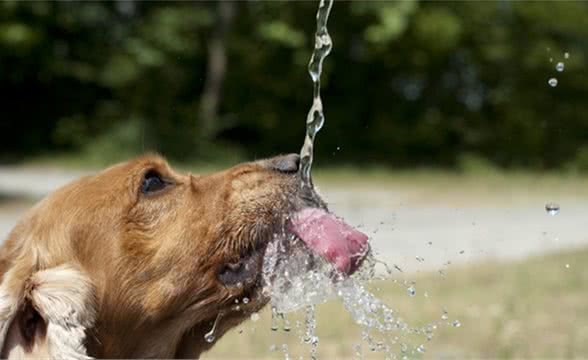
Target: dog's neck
169,339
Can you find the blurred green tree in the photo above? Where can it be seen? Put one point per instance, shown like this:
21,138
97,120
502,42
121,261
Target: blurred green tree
408,83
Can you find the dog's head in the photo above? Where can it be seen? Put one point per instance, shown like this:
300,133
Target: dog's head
153,255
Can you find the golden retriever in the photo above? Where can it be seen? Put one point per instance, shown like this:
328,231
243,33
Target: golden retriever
138,260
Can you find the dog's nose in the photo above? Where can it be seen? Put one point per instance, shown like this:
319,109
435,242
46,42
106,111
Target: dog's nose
286,163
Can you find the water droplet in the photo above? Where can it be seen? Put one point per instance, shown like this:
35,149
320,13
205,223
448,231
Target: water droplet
273,348
236,301
209,336
314,340
567,55
430,243
444,316
426,294
462,251
456,323
559,66
419,259
338,148
550,59
245,300
254,317
552,82
398,268
421,348
274,325
567,266
285,351
286,327
411,290
357,349
552,208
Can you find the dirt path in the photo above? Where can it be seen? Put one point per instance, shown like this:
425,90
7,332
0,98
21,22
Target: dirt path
402,229
437,234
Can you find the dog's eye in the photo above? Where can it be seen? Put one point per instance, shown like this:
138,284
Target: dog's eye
152,182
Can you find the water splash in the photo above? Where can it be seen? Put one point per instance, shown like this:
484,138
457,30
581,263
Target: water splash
309,336
299,280
315,118
295,277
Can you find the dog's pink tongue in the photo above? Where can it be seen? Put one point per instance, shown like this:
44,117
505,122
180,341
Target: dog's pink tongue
330,237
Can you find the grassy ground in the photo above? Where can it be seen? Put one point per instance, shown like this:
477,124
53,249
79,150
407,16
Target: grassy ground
533,309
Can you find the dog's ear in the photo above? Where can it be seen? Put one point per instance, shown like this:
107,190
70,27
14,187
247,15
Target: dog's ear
47,314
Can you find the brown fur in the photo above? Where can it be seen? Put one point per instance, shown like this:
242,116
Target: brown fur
137,274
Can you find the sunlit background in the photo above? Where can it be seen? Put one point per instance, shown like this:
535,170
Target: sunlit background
450,126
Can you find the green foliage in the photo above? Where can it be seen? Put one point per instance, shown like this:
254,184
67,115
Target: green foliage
455,84
281,33
392,19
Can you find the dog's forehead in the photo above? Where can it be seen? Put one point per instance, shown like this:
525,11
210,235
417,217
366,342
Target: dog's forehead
138,166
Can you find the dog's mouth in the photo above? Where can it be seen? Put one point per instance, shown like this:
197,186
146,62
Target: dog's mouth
330,237
322,232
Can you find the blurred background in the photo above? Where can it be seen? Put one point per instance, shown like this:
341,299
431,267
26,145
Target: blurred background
445,137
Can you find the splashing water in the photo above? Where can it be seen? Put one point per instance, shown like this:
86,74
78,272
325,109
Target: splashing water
294,276
296,279
315,118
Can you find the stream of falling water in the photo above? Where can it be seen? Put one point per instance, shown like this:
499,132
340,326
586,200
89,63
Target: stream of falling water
316,118
296,278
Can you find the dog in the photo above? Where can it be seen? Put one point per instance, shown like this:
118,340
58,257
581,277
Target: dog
138,261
